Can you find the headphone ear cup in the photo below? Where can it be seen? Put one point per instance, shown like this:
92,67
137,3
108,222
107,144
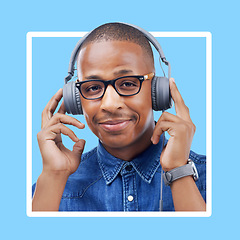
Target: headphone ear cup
161,96
71,99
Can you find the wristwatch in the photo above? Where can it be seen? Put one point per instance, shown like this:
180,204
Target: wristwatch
179,172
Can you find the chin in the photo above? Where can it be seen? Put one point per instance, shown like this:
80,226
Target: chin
117,141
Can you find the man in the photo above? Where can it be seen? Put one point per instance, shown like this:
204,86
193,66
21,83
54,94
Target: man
123,173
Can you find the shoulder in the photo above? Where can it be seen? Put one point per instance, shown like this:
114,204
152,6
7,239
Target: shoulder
200,163
197,158
86,175
89,155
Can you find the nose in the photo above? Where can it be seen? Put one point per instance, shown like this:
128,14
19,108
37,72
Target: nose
111,100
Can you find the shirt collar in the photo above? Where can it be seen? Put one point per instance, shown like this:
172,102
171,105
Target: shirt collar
145,164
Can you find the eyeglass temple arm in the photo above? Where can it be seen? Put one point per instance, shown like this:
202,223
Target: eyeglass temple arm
149,76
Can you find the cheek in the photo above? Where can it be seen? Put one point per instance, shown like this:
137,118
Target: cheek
142,102
90,108
142,105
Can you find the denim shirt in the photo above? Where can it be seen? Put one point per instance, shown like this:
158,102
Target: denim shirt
103,182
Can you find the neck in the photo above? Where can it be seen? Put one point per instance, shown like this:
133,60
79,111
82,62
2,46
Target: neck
129,152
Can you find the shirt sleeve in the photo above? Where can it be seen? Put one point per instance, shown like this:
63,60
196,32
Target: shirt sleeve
33,189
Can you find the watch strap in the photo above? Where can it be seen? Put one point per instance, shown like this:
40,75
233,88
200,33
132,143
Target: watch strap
183,171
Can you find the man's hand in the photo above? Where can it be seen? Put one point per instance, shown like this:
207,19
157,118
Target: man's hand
58,161
56,157
181,130
186,196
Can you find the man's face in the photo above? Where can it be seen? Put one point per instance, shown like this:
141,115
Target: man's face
118,121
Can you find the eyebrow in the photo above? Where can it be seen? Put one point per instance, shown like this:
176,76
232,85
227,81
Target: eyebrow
92,77
123,72
118,73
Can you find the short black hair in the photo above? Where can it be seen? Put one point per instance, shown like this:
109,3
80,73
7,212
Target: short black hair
119,32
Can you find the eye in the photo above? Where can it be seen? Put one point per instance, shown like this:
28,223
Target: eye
93,88
128,84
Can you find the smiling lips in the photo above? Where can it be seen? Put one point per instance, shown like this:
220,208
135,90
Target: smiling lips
115,125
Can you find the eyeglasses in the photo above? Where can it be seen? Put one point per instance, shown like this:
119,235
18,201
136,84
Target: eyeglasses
124,86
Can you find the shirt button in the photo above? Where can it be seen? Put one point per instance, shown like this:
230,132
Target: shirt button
128,168
130,198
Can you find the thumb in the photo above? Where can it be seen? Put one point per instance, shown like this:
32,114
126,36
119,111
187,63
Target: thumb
78,147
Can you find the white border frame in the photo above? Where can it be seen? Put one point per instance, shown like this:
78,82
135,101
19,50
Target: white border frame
208,212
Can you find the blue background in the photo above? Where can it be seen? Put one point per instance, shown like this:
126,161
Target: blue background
219,17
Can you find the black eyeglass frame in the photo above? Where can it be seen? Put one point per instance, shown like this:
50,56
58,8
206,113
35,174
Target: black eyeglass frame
141,78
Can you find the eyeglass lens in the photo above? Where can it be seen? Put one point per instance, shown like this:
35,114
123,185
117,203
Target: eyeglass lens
124,86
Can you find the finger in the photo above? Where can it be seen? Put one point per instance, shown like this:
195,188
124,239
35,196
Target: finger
56,129
166,116
181,109
78,147
51,107
62,108
62,118
159,129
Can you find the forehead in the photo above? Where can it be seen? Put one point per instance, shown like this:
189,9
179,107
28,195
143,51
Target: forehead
109,57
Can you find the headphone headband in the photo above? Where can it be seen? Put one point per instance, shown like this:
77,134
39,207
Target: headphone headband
148,35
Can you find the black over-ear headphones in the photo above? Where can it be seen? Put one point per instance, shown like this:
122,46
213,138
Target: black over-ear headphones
161,97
